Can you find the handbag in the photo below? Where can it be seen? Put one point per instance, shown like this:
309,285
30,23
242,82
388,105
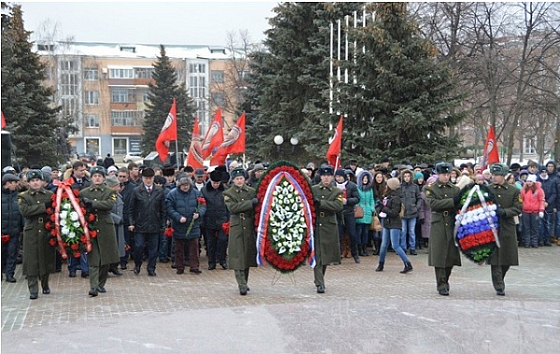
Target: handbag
358,212
375,223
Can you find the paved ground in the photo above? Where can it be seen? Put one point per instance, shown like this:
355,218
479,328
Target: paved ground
361,312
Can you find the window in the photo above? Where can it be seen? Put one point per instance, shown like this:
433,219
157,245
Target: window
197,68
217,76
92,97
92,146
143,73
91,74
242,74
218,99
529,146
68,65
121,74
92,121
122,95
128,49
119,146
127,118
69,106
69,84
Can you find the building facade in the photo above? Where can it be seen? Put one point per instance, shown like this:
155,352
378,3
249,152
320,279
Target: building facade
103,89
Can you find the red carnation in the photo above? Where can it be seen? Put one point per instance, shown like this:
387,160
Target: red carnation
52,242
93,233
76,192
168,232
201,201
74,247
53,232
53,197
52,217
48,225
77,254
83,239
83,211
91,217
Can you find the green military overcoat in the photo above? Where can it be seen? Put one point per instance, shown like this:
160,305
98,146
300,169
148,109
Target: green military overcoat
442,252
39,256
327,246
242,246
104,246
507,197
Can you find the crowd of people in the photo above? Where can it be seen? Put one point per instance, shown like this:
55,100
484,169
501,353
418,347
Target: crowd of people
160,214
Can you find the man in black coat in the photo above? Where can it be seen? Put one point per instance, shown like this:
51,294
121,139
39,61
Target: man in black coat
147,220
350,198
216,215
127,187
12,225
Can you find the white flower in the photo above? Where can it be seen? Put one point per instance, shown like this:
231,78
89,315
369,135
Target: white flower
73,216
63,214
63,222
65,230
76,224
72,234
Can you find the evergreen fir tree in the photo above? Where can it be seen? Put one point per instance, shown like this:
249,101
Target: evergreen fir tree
161,94
289,82
403,103
26,102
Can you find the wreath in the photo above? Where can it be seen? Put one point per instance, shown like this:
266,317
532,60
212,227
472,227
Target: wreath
476,223
69,225
285,218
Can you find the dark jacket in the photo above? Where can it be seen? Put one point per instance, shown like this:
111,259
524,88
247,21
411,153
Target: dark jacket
147,211
181,204
411,199
84,183
12,221
507,197
126,194
352,198
391,205
216,210
549,187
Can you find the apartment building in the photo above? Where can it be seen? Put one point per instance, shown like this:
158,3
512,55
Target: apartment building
103,89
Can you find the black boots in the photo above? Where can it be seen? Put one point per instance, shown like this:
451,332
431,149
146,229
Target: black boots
380,267
377,246
407,268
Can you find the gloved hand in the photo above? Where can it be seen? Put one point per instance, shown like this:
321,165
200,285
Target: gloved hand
317,201
382,215
88,202
48,203
541,214
255,201
501,212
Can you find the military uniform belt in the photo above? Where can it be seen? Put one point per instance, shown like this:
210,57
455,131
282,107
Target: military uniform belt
444,213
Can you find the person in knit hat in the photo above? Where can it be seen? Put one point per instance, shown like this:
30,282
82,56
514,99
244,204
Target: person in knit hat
389,211
350,198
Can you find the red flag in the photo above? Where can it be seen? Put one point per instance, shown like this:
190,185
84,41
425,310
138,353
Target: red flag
333,154
3,120
168,133
490,154
214,136
195,155
233,144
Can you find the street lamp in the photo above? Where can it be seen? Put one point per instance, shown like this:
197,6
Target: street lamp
294,141
279,140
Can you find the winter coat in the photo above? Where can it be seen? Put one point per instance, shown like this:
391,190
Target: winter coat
117,215
352,197
425,214
12,221
242,247
104,250
507,197
39,256
185,204
327,244
147,211
549,188
442,252
216,210
391,205
367,200
533,202
126,193
411,199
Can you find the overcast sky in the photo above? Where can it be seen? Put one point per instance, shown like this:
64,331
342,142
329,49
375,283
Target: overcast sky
149,22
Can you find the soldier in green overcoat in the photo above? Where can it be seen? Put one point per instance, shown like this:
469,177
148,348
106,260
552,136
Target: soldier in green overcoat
443,254
240,200
509,205
328,202
39,257
100,199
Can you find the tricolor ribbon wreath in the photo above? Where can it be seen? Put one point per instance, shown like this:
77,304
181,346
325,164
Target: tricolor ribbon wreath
285,218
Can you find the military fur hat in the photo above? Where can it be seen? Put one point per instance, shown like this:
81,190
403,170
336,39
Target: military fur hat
98,169
216,176
499,169
238,171
35,174
168,170
443,167
326,171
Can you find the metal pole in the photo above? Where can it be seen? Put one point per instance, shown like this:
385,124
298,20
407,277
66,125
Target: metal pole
331,95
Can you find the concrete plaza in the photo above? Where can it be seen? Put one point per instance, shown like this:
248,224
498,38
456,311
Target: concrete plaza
361,312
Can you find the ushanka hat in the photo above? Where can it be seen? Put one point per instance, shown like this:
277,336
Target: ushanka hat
236,172
31,174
